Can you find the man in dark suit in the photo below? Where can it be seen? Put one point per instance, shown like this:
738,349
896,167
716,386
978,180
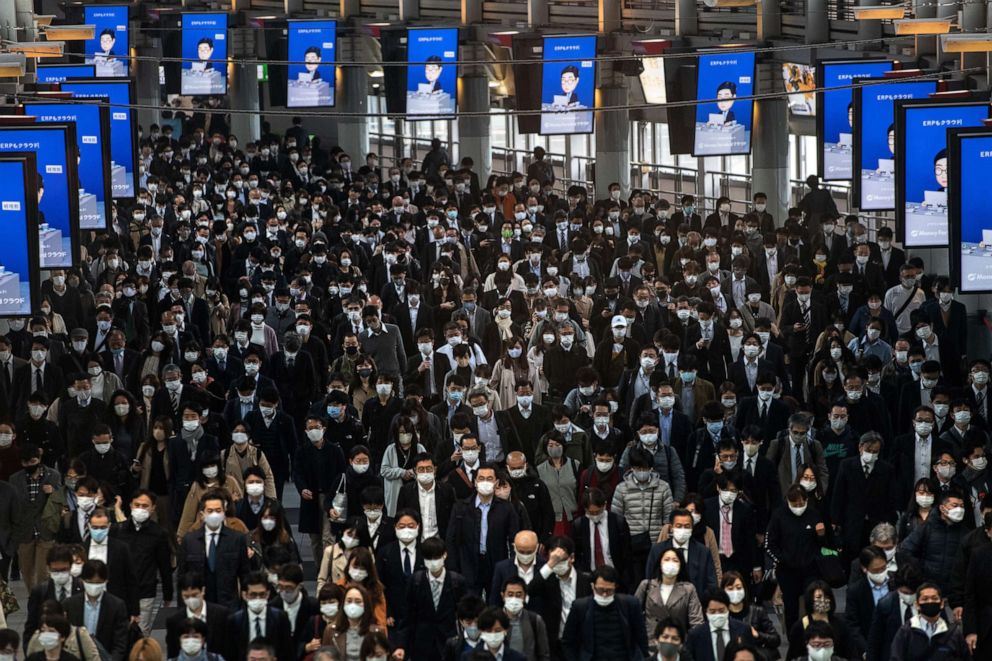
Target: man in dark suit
121,360
760,479
187,448
300,608
696,557
862,494
745,370
803,319
686,215
438,496
893,611
792,448
104,615
494,632
602,538
258,620
731,519
863,593
39,373
172,396
396,561
295,377
217,552
412,316
561,584
709,641
475,554
606,610
192,591
524,564
116,556
430,602
222,365
275,433
60,586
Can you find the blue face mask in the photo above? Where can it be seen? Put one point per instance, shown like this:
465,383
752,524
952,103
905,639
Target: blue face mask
688,210
455,396
99,535
333,411
469,306
714,428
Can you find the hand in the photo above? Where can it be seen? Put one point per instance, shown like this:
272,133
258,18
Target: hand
450,305
307,494
333,514
47,488
399,654
754,633
313,645
558,555
757,575
798,326
584,408
821,529
701,344
717,467
972,640
407,475
424,366
456,456
390,622
135,619
957,613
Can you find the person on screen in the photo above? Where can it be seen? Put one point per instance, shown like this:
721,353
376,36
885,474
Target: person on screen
940,169
850,115
569,85
311,59
892,138
432,72
726,92
204,51
108,39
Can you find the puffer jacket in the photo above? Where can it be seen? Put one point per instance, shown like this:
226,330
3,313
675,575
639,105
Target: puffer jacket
936,545
912,643
646,507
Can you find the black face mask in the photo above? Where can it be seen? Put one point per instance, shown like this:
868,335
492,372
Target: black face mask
930,609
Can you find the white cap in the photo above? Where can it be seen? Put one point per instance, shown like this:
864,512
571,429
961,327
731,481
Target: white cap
619,320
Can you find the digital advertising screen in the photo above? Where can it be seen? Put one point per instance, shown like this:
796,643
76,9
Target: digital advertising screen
922,166
58,201
800,83
123,129
311,85
835,114
93,143
653,80
108,49
969,211
19,277
57,73
875,139
432,75
204,54
723,124
568,85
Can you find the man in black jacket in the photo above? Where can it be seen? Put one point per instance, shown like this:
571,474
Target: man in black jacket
863,494
258,620
439,497
432,597
300,608
533,493
476,549
216,551
863,593
148,543
117,558
613,534
111,616
192,591
606,625
525,421
60,586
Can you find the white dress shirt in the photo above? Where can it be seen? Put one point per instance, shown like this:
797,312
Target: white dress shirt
428,510
98,551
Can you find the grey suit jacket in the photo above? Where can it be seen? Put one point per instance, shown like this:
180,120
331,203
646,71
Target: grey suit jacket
535,636
683,604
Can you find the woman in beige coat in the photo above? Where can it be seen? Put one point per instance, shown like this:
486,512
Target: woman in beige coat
511,368
211,476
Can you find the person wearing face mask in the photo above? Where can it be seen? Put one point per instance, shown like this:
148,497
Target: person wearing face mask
149,547
978,391
933,545
30,489
79,413
607,624
210,475
526,565
476,549
668,596
905,298
862,494
274,432
948,321
216,551
931,630
602,537
57,587
318,468
709,641
793,540
259,618
731,518
866,589
300,607
793,448
104,615
105,463
686,215
645,501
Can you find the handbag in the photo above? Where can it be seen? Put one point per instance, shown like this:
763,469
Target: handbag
830,568
8,602
340,501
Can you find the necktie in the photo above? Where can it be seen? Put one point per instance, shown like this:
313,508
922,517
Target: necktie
119,364
671,370
212,552
598,557
407,567
806,320
867,471
763,411
721,647
908,615
39,383
174,398
61,594
290,362
436,592
749,466
561,239
799,459
726,541
258,626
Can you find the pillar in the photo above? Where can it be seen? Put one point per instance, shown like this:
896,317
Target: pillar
610,16
973,19
471,11
409,10
770,155
869,29
353,97
292,7
817,25
537,13
349,8
8,21
146,85
244,96
769,19
612,140
686,20
474,132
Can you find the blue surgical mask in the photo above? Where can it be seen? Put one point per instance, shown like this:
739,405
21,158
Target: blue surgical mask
99,535
714,428
333,411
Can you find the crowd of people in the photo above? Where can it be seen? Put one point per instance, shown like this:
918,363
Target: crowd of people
521,423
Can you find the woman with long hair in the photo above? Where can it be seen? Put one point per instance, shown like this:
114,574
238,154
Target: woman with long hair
670,594
361,571
354,621
210,475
